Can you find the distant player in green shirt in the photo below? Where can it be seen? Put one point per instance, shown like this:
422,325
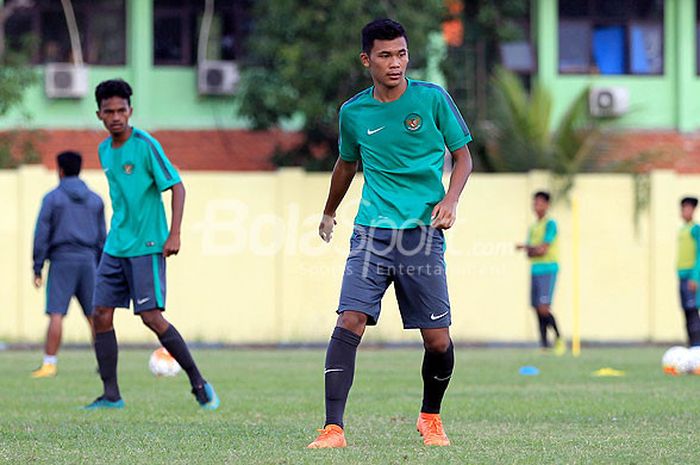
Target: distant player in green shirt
543,250
132,267
689,269
399,129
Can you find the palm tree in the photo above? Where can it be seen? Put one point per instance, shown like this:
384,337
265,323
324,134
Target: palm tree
520,137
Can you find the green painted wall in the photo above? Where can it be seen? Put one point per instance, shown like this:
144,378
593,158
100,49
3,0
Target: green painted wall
670,101
165,97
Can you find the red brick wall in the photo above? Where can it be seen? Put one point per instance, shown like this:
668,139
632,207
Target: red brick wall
240,150
220,150
661,149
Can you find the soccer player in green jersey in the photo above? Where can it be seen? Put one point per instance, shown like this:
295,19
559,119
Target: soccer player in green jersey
399,129
132,267
689,269
542,248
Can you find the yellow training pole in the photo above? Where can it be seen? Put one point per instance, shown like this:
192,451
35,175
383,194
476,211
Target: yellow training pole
576,276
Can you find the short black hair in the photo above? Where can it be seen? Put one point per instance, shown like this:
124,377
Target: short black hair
689,201
381,29
113,88
543,195
70,162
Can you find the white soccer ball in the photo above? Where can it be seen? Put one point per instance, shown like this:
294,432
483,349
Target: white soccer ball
694,360
676,361
161,363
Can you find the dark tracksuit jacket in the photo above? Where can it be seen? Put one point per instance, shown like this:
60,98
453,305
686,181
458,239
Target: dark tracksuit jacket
71,225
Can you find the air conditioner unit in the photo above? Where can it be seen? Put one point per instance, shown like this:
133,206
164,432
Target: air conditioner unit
65,80
217,77
608,101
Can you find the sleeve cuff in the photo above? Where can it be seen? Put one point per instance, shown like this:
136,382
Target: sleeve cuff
168,184
460,143
349,158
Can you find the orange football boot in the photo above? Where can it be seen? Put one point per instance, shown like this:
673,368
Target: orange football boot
332,436
429,426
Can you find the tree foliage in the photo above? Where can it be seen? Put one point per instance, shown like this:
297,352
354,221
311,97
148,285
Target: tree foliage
521,138
303,62
16,75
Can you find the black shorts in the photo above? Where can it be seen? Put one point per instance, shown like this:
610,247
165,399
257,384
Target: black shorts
413,259
124,279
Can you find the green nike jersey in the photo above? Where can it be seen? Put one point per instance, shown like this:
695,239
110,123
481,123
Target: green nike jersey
544,231
137,173
688,260
402,147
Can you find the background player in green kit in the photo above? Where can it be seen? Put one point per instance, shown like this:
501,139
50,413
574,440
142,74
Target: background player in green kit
543,250
132,267
689,269
399,129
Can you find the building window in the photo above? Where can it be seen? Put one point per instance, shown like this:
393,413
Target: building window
101,26
611,37
176,30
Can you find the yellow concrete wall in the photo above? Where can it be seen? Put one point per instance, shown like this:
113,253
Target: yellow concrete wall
252,268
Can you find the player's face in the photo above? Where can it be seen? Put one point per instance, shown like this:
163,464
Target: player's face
540,206
114,113
687,211
387,61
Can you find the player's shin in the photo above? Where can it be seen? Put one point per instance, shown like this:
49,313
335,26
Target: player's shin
176,346
692,324
436,371
339,372
542,321
106,352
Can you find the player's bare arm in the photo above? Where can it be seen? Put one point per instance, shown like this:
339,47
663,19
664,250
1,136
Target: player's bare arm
445,212
343,173
172,244
537,250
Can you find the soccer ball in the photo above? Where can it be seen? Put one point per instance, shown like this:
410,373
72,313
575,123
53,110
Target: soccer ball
694,360
676,361
162,363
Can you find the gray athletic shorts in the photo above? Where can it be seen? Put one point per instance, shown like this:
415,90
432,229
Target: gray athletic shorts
124,279
67,279
689,299
413,259
542,289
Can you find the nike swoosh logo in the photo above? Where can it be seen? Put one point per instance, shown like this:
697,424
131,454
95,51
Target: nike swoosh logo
374,131
437,317
143,301
441,379
331,370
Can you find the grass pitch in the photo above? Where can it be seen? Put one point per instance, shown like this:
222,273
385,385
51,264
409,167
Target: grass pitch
272,401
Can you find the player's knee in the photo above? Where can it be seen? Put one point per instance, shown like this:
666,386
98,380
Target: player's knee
102,319
543,310
154,321
438,345
353,321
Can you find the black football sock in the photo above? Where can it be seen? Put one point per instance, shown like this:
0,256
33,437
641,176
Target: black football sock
106,351
553,323
543,330
339,372
437,371
692,324
173,343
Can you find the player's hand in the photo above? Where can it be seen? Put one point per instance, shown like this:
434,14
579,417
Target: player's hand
325,229
172,245
38,281
520,246
692,285
444,214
